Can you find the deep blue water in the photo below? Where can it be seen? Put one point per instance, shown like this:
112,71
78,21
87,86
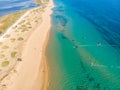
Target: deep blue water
84,47
9,6
104,14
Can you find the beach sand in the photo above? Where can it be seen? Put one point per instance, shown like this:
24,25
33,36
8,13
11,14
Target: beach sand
24,45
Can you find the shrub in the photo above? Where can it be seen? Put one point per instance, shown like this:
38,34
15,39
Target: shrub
2,56
13,54
23,30
5,47
20,39
12,39
14,71
5,63
7,36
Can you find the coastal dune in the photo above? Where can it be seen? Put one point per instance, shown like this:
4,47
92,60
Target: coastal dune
29,69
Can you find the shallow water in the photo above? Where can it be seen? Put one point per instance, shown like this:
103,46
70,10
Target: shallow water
84,47
9,6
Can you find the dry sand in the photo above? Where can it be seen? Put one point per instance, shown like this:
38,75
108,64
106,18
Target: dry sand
27,70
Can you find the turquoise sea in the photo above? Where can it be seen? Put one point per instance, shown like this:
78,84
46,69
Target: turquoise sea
84,46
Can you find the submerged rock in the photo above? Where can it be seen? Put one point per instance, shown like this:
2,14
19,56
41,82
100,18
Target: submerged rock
99,44
61,20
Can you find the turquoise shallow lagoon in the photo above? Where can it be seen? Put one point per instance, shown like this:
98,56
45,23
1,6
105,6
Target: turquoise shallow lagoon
84,46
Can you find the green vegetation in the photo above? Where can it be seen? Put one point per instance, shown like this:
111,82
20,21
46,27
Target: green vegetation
14,71
38,1
5,63
20,39
7,36
8,20
2,56
5,47
13,54
23,21
23,30
12,39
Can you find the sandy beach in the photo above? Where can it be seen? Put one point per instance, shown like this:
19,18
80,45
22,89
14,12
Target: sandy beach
22,58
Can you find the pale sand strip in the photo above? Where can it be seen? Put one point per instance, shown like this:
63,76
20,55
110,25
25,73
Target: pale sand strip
31,72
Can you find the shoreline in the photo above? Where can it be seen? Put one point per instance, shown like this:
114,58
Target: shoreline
46,67
44,58
32,68
46,84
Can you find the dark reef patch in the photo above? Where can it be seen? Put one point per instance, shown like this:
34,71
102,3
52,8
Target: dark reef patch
61,20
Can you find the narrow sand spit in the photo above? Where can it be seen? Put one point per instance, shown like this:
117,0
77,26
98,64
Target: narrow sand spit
22,50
